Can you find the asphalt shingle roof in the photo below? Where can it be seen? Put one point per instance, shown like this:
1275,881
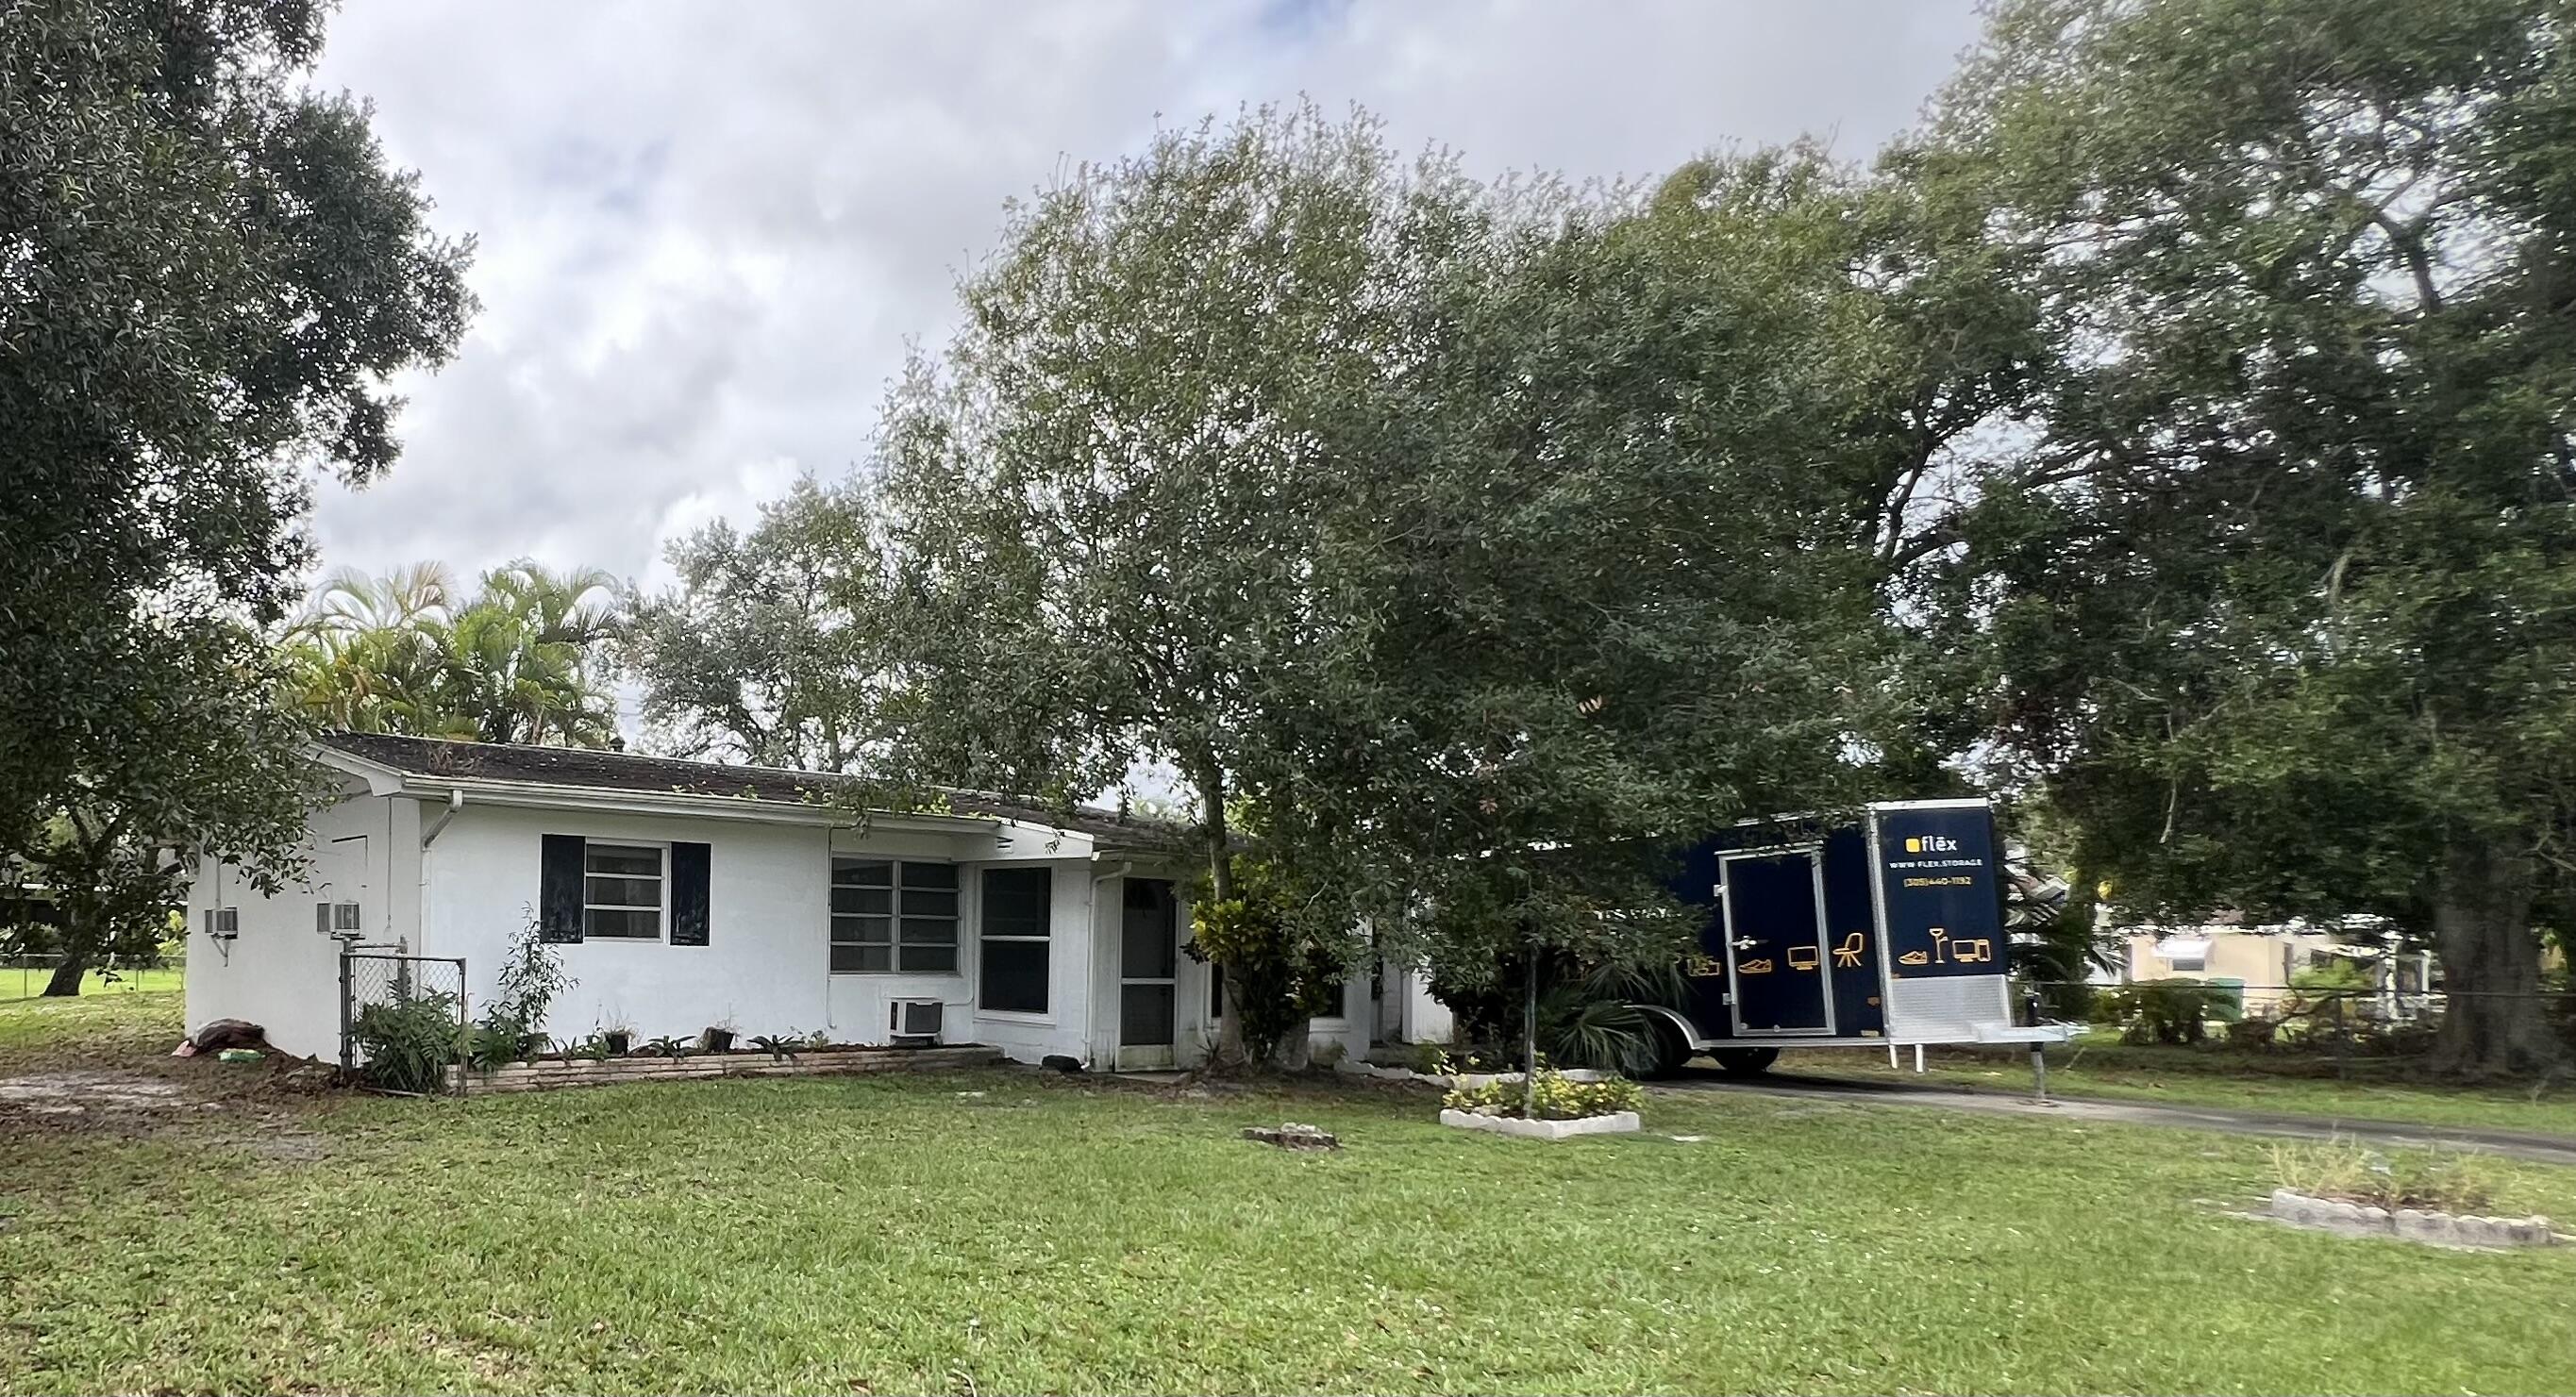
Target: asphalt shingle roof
590,769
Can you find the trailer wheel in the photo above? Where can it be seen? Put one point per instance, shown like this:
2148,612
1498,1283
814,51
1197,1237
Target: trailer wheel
1745,1062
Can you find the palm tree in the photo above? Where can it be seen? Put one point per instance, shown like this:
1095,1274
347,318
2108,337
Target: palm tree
520,662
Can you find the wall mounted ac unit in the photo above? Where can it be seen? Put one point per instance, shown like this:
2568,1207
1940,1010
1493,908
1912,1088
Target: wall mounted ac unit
914,1023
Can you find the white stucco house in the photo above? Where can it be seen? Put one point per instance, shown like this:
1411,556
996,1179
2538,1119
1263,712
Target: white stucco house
689,894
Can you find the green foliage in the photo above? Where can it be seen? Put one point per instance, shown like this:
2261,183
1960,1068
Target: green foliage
1551,1097
766,649
208,278
781,1047
2159,1011
524,660
407,1043
669,1047
513,1023
1280,970
2281,595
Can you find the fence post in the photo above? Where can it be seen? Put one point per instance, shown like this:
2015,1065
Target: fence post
2343,1038
464,1030
346,1066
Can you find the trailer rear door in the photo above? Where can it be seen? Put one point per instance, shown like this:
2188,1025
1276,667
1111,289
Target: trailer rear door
1774,904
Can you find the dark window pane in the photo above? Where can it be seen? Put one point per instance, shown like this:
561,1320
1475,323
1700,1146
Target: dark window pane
1149,943
623,858
1145,1016
856,960
877,901
640,925
930,875
622,892
873,873
1016,901
931,931
874,930
923,959
1015,976
1332,1002
929,902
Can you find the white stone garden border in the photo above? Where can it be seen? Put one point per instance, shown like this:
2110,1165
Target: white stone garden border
2408,1224
1616,1123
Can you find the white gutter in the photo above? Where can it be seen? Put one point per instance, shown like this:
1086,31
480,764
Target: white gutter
538,795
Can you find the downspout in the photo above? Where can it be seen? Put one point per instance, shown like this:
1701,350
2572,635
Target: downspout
455,802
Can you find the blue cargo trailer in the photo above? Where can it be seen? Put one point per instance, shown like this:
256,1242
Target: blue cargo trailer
1883,931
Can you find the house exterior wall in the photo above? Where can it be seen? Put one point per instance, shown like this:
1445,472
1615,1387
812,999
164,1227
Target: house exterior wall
2264,961
278,971
766,967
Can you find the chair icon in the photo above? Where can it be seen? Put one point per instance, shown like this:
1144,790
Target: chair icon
1847,955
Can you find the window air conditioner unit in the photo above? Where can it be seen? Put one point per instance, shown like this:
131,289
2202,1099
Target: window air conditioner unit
914,1023
338,919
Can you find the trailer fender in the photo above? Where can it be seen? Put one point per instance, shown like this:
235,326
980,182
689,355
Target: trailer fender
1676,1037
1691,1036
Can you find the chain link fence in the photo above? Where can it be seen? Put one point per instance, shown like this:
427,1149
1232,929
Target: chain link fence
24,975
403,1021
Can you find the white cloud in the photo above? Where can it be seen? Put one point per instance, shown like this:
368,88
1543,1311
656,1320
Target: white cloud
707,232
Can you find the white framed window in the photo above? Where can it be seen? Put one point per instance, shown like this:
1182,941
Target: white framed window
625,889
1017,933
891,915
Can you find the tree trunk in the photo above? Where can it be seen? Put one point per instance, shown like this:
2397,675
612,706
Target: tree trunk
1212,825
67,976
2492,1021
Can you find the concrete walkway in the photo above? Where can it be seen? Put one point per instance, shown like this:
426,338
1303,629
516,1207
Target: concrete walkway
2545,1149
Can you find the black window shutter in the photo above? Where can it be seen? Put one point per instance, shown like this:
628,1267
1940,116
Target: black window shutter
559,889
688,894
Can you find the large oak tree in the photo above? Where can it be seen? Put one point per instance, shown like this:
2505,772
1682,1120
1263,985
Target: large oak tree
207,275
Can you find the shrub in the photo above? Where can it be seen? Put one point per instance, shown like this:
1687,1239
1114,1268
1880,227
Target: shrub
2160,1011
407,1042
1554,1097
2450,1180
512,1026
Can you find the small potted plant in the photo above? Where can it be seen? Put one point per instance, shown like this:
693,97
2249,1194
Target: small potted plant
618,1039
719,1036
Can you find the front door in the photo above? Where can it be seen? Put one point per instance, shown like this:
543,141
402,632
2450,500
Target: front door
1149,962
1775,943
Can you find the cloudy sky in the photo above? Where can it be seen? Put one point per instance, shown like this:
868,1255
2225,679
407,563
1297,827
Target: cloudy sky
707,231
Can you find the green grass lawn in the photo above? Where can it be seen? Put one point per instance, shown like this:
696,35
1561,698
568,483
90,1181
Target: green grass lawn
2214,1077
904,1234
29,983
111,1023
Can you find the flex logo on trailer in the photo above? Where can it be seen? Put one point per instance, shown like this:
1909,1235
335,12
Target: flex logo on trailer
1937,880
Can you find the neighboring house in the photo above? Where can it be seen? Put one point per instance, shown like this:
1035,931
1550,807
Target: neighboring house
2262,958
689,894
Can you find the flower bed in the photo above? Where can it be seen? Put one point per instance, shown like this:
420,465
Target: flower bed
1553,1107
547,1073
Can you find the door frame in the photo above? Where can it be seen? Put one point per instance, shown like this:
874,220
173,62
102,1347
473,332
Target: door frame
1813,852
1149,1057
